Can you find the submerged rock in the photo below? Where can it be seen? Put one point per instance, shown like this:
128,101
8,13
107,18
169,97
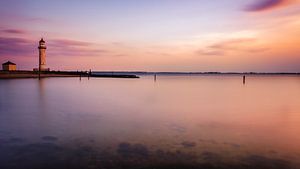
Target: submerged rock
133,150
188,144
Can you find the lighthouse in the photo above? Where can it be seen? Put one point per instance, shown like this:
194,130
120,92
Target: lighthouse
42,55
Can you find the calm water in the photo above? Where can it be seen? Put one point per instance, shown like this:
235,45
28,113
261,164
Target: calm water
175,122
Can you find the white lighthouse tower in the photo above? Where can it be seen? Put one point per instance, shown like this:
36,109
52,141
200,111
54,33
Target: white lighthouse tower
42,56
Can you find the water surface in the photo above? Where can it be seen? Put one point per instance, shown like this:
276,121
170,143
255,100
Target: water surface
174,122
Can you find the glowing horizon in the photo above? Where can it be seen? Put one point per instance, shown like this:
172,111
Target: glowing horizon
168,35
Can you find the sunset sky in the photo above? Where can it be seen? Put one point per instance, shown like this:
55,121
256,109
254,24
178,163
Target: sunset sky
153,35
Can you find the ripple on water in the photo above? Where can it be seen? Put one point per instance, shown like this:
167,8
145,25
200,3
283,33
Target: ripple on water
16,140
49,138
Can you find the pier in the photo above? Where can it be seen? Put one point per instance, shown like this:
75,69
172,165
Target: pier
49,74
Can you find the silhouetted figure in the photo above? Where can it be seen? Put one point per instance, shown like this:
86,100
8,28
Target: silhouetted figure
244,79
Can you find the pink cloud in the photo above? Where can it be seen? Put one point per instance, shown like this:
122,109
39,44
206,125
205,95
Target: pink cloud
67,42
37,19
67,47
16,47
262,5
73,52
14,31
22,47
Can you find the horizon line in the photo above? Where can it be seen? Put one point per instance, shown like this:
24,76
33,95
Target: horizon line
171,72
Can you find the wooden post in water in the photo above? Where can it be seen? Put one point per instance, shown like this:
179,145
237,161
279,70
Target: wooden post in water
89,74
155,77
244,79
80,75
39,68
39,73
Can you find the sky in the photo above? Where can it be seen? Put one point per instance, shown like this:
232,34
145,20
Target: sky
156,35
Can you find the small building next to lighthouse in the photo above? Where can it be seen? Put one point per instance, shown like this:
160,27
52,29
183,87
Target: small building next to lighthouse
9,66
42,57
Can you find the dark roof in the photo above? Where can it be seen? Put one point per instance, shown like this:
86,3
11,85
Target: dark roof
42,40
8,63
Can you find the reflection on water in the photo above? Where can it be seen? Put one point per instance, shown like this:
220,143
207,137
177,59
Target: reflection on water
173,122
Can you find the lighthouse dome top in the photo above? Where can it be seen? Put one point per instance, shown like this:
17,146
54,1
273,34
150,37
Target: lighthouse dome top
42,41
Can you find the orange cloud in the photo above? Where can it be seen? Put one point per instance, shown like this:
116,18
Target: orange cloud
232,45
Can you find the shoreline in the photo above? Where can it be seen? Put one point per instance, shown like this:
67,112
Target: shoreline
45,74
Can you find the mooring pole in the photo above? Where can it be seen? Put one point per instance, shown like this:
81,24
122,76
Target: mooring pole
155,77
244,79
39,68
80,75
40,71
89,74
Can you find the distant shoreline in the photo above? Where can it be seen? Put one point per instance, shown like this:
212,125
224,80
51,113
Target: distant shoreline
192,73
118,74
